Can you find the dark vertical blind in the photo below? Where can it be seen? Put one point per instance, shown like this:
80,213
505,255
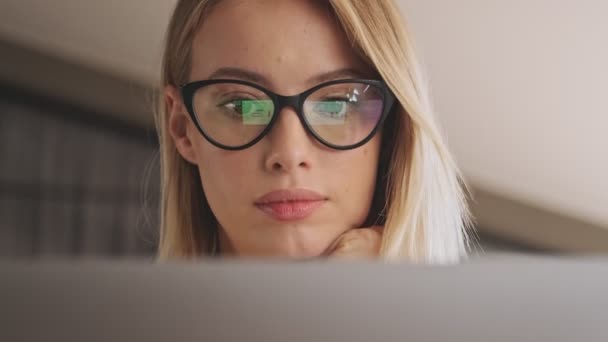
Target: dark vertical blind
72,184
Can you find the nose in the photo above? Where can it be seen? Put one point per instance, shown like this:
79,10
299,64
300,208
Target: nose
290,145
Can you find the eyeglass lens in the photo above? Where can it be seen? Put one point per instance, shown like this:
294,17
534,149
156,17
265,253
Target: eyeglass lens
342,114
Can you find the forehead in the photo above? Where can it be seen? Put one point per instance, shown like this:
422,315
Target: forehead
287,41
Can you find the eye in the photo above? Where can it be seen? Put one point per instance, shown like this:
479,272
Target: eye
237,105
332,106
234,102
248,111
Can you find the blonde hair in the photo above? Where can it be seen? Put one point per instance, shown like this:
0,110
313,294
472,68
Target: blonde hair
421,200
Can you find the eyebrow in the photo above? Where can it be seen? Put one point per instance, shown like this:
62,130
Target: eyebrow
252,76
242,74
337,74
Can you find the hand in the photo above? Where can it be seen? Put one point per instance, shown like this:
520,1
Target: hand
357,243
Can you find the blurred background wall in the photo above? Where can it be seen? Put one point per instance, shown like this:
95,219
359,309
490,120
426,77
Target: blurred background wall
519,87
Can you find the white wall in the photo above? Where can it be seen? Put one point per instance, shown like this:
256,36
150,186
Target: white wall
521,87
119,36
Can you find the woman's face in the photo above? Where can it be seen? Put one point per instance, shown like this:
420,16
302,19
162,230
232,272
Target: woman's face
293,45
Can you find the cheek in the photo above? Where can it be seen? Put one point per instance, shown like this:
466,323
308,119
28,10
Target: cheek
224,173
354,176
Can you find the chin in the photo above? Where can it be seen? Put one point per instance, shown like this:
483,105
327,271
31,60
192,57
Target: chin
284,252
303,242
292,249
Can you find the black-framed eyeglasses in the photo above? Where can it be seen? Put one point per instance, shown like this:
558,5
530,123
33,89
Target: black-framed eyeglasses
341,114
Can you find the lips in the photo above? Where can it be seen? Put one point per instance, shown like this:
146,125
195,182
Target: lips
290,204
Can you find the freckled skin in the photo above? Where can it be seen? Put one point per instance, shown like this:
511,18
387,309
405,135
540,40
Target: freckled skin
288,42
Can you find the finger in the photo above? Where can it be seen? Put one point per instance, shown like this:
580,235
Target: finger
378,229
338,242
357,242
331,248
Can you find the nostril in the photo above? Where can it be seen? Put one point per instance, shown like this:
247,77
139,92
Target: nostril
278,166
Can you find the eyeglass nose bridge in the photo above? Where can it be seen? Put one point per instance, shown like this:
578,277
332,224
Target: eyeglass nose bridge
294,102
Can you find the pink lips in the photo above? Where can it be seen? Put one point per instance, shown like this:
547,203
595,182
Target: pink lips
290,204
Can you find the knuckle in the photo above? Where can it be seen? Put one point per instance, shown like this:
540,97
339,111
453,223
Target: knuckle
345,244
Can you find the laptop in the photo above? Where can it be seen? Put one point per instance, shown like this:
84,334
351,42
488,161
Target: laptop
502,298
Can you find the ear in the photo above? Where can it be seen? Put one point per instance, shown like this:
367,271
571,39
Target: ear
180,125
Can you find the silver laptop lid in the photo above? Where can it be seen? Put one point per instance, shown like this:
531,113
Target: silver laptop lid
500,299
